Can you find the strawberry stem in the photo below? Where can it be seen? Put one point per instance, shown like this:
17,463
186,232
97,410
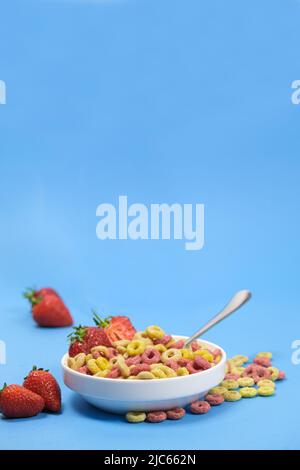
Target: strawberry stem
32,297
99,322
78,334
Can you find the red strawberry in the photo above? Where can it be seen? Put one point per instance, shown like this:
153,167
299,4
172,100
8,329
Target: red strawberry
43,383
78,345
48,309
120,328
18,402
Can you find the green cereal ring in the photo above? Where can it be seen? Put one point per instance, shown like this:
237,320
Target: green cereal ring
266,391
230,384
266,383
217,391
245,381
265,354
248,392
274,372
135,416
232,395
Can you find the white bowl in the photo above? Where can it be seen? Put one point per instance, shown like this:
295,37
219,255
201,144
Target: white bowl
121,396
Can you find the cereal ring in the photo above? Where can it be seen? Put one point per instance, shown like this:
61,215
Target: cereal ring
231,376
164,340
178,344
205,354
274,372
195,345
176,413
281,375
156,416
145,375
199,363
114,373
245,381
155,332
71,363
135,347
102,373
184,362
103,350
135,370
158,373
103,363
217,391
266,391
266,383
200,407
165,369
257,372
214,399
262,361
79,360
238,370
124,369
171,354
133,360
232,395
265,354
182,371
230,384
83,370
216,352
187,354
151,356
169,344
92,366
239,360
248,392
160,347
135,416
121,345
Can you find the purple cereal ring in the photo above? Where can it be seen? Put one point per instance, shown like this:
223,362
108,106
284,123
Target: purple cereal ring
200,363
231,376
164,340
176,413
172,364
200,407
178,344
156,416
114,373
195,346
281,375
139,368
262,361
151,356
214,399
133,360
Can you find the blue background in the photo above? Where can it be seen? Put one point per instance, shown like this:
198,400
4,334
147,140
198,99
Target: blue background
163,101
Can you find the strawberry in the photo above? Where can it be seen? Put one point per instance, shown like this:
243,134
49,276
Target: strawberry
48,309
18,402
120,328
78,345
43,383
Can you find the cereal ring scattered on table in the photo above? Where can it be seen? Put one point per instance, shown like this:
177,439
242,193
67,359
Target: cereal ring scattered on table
151,356
239,360
265,354
248,392
231,376
262,361
274,372
281,375
176,413
230,384
214,399
266,391
135,416
156,416
217,391
232,395
245,381
266,383
200,407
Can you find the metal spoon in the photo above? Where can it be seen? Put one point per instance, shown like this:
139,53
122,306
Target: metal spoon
239,299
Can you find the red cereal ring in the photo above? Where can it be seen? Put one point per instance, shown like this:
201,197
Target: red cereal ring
178,344
139,368
164,340
112,352
151,356
195,346
96,354
114,373
214,399
177,413
133,360
262,361
172,364
190,367
281,375
200,363
217,352
231,376
200,407
184,362
83,370
156,416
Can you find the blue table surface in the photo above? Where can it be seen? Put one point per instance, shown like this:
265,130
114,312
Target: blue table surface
170,101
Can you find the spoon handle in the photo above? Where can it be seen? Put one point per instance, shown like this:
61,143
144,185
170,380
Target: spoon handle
239,299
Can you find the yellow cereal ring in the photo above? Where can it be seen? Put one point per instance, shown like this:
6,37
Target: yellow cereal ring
71,363
79,360
265,354
239,360
245,381
121,345
182,371
172,353
266,383
92,366
158,373
124,369
136,347
160,347
187,353
238,370
266,391
169,344
275,372
167,370
248,392
102,373
218,358
205,354
103,363
217,391
88,357
135,417
232,395
230,384
144,375
155,332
